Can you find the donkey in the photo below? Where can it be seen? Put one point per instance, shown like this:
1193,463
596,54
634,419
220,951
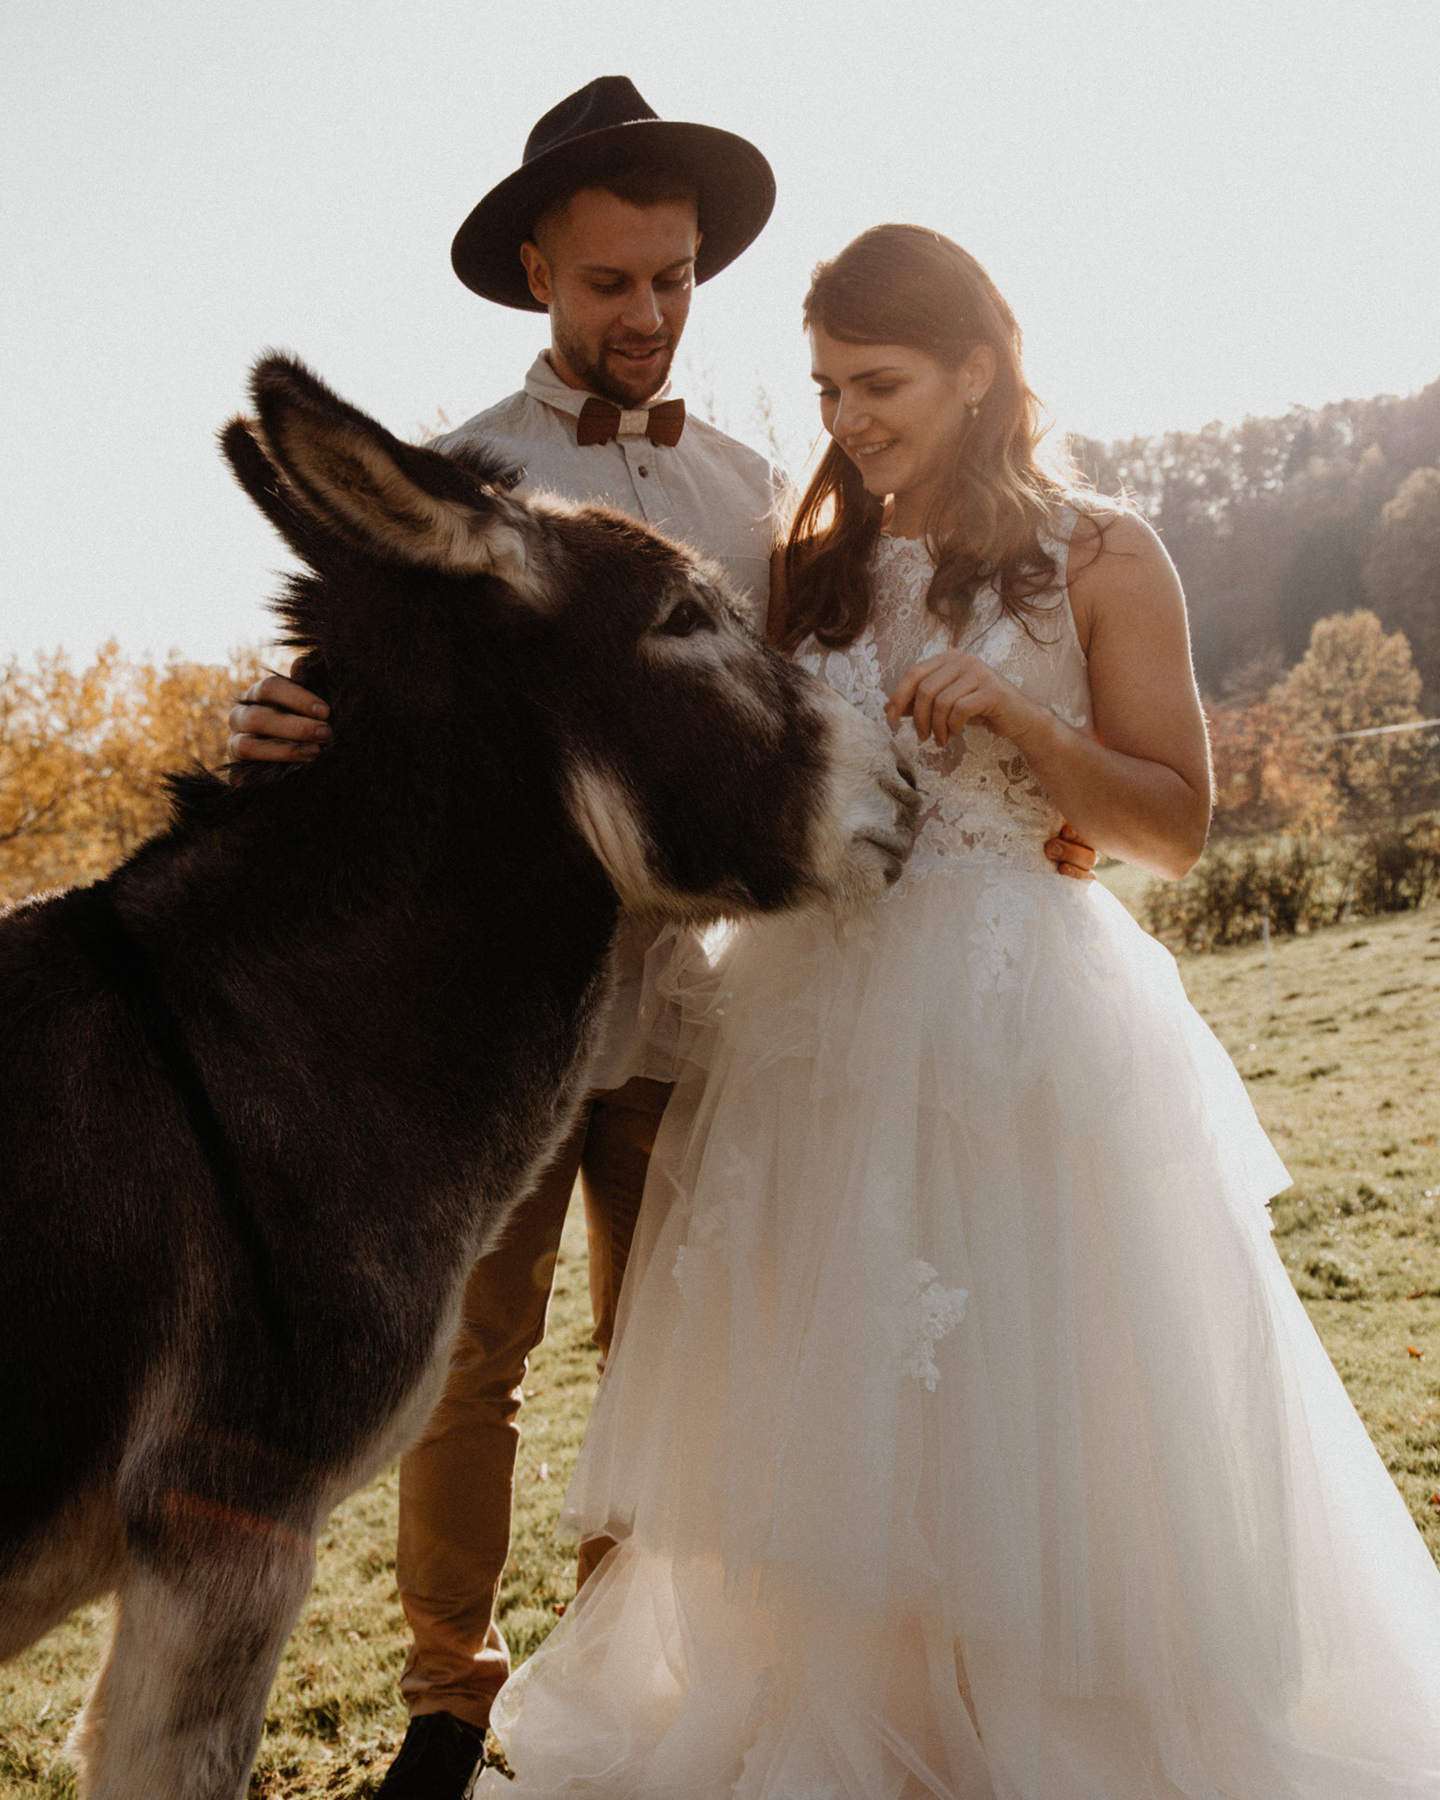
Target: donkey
268,1090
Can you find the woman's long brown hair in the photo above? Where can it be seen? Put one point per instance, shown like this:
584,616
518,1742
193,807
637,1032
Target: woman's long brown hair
903,284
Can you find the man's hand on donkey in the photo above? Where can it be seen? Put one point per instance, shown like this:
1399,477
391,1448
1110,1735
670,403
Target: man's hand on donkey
277,720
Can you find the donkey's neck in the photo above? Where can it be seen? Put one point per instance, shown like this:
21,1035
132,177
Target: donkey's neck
390,1038
333,950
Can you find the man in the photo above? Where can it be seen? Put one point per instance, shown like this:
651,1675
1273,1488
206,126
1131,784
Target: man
612,218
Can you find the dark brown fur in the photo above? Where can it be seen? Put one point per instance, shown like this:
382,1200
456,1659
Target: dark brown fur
266,1091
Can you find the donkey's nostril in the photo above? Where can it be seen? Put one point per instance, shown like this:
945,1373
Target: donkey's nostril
908,795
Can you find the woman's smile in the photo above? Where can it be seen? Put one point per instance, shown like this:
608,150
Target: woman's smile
898,414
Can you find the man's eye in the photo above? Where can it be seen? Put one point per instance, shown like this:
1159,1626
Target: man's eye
687,618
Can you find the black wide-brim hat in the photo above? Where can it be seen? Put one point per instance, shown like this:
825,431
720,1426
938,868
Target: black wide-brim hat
604,129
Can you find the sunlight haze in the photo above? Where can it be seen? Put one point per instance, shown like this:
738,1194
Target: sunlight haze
1197,212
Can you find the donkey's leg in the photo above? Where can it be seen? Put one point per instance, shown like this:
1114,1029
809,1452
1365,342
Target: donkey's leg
179,1706
74,1559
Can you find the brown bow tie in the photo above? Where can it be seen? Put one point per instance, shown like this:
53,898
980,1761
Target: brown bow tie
602,420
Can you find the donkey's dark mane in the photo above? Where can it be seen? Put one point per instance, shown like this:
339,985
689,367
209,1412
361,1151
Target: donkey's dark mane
485,462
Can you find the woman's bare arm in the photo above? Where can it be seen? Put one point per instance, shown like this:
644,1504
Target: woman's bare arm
1140,788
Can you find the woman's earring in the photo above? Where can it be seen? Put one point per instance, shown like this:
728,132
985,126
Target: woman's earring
972,405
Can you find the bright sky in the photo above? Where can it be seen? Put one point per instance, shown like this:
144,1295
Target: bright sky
1198,209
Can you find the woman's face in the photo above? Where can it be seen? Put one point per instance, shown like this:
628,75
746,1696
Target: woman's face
898,415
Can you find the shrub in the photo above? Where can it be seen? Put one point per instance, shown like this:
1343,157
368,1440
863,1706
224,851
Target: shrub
1224,898
1303,882
1397,868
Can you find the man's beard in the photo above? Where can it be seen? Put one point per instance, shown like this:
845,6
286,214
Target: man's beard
599,377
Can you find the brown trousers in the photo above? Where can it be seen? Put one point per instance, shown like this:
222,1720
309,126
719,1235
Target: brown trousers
456,1480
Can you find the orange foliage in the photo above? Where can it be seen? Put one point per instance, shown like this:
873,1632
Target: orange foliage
1263,780
1286,761
82,752
1356,677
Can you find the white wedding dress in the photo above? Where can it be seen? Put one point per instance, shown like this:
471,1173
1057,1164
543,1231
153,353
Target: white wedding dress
964,1435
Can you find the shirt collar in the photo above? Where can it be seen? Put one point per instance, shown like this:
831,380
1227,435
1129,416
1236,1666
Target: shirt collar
544,385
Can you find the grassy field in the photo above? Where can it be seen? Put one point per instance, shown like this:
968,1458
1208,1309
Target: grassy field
1344,1069
1344,1072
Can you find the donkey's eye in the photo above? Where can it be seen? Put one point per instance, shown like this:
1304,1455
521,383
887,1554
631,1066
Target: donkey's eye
685,619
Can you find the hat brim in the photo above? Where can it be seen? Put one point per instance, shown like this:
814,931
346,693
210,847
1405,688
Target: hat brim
735,184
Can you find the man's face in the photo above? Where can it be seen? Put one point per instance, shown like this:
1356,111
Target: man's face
617,280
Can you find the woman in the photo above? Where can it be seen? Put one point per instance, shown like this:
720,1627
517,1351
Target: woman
965,1436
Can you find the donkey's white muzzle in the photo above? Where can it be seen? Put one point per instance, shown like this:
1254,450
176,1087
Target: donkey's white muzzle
867,821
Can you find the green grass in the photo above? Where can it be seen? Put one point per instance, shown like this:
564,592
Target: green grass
1345,1074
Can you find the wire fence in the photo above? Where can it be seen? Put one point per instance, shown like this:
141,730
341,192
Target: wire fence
1334,737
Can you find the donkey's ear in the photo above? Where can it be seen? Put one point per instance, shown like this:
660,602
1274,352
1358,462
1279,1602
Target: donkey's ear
273,494
410,505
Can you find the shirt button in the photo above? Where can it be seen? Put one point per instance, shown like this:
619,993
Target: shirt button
643,470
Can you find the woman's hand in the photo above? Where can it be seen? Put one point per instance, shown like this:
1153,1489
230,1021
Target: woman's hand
945,693
1137,784
278,721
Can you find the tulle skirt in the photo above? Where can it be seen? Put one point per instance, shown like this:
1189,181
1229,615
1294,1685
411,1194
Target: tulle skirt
964,1435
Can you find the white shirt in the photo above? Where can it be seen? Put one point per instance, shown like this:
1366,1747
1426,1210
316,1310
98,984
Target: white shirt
710,492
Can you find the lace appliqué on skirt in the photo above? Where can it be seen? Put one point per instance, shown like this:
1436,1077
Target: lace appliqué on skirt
936,1311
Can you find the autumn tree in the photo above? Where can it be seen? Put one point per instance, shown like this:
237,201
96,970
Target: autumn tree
1402,575
1352,678
1262,778
82,753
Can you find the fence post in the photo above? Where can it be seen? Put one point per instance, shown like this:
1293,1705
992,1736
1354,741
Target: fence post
1269,976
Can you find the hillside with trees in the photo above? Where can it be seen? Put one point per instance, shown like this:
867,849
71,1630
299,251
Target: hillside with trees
1277,523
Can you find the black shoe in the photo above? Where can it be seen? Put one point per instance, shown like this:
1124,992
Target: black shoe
436,1760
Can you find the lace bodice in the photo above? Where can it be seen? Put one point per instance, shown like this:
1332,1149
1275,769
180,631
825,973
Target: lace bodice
980,799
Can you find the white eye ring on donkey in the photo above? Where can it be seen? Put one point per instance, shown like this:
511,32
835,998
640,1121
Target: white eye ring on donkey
267,1090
